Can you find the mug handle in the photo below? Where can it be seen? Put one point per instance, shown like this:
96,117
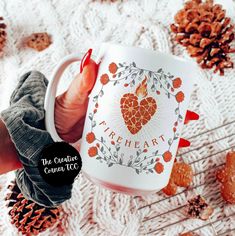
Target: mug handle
49,104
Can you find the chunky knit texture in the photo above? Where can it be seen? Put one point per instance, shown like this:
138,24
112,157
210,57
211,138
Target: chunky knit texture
76,26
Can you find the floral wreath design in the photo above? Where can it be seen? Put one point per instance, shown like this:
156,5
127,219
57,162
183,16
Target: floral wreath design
159,82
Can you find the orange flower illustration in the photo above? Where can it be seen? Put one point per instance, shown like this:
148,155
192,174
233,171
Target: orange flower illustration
179,97
113,68
159,167
177,82
167,156
90,137
92,151
104,79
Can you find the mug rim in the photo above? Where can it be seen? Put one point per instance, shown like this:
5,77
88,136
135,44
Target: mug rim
154,52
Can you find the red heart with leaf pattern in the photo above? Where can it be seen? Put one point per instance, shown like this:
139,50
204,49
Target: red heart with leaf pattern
137,113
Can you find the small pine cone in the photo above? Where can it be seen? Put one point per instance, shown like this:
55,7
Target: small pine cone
38,41
3,35
29,217
206,32
198,208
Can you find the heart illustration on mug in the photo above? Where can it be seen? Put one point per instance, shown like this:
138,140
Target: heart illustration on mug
137,113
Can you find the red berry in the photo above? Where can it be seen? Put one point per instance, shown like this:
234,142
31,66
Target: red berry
92,151
104,79
179,97
113,68
177,82
159,168
90,137
167,156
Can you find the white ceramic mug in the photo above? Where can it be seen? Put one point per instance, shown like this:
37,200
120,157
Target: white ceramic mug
134,119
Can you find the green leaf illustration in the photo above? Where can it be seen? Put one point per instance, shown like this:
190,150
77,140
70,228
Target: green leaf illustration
90,116
129,163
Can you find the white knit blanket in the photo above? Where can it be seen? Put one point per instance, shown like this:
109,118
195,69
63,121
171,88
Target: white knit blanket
76,26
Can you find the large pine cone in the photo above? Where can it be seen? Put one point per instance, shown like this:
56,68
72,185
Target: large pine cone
29,217
206,32
2,35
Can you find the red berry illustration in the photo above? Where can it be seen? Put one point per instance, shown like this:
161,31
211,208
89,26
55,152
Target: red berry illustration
112,142
159,167
90,137
145,150
167,156
92,151
96,105
179,97
158,92
104,79
177,82
113,68
125,85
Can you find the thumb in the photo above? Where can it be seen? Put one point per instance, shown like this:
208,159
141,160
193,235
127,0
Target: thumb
81,86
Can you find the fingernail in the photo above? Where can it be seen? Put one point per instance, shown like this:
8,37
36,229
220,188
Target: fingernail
190,115
85,59
183,143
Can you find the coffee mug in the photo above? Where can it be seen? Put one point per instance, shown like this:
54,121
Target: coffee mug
134,118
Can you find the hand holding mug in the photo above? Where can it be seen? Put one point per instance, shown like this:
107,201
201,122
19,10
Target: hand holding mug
71,106
134,119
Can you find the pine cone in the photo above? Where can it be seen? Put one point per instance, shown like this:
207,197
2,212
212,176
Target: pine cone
206,32
29,217
38,41
2,35
198,208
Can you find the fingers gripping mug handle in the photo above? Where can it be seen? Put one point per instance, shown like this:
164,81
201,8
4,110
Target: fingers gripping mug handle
49,104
